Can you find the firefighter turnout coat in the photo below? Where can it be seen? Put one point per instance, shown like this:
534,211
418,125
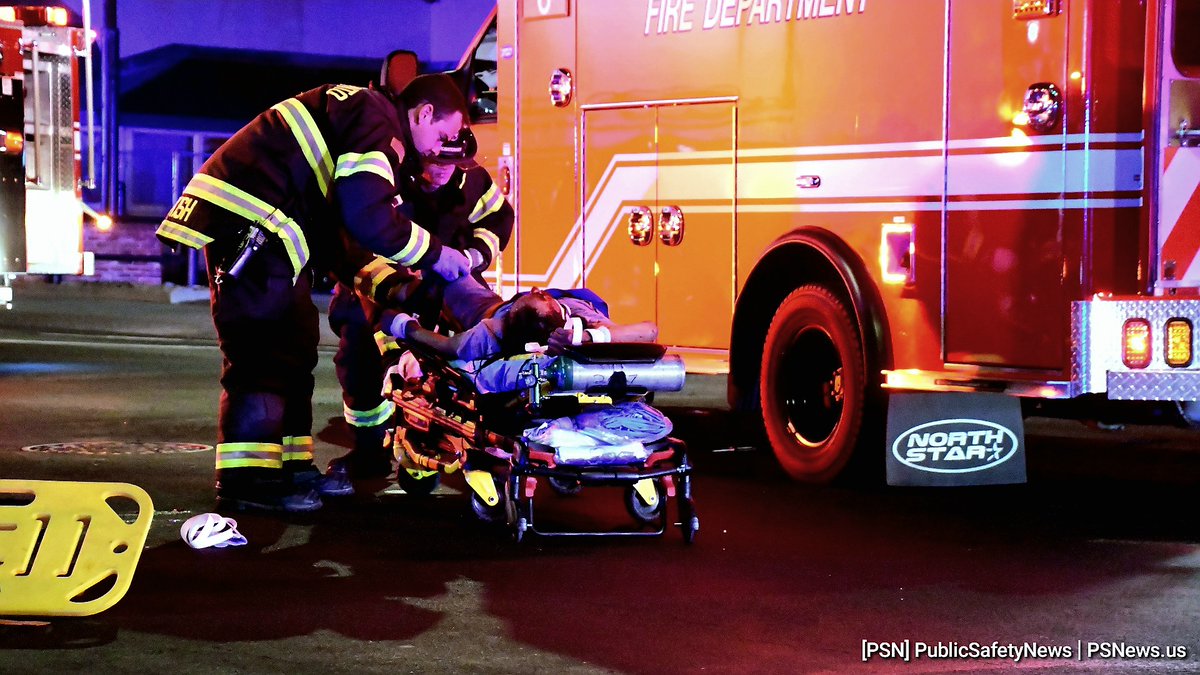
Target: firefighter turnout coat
334,155
467,212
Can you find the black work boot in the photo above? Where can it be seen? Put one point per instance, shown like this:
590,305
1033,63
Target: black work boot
369,460
306,475
258,489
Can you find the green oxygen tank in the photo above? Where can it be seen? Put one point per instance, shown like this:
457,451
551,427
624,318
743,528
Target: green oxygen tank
666,374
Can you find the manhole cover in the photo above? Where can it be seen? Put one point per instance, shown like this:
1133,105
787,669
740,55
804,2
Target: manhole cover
117,448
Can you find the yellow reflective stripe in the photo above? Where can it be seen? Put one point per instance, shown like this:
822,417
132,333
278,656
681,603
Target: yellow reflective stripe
238,201
229,197
372,162
418,244
369,418
297,448
488,204
184,235
242,455
491,239
385,342
308,136
372,274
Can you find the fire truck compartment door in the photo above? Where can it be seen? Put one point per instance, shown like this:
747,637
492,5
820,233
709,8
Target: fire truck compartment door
54,211
620,175
12,172
551,256
1004,266
696,176
676,161
1178,162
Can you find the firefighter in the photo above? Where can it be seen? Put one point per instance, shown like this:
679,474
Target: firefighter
469,213
269,209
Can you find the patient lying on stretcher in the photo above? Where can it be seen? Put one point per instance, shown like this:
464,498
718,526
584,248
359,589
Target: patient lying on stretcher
488,326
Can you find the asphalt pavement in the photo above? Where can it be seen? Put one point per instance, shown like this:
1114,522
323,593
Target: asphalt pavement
1099,548
80,307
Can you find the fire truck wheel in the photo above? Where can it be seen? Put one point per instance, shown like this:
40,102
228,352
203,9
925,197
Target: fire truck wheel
1189,413
812,385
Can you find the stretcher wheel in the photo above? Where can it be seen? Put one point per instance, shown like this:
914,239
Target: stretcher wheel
641,511
417,486
689,522
566,487
489,513
519,529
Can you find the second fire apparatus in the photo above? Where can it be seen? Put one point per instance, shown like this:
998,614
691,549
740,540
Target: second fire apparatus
837,198
41,205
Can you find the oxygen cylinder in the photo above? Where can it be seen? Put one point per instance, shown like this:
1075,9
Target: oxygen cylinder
666,374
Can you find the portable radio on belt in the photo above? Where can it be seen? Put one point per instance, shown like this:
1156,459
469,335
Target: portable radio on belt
255,239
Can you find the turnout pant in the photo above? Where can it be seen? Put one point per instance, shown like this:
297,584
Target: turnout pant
267,328
360,368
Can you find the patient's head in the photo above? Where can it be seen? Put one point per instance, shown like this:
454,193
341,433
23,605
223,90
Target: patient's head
532,318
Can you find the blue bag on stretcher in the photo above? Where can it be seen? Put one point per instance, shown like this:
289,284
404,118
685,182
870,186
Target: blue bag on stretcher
603,435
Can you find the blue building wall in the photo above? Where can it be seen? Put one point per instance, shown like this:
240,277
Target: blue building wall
156,159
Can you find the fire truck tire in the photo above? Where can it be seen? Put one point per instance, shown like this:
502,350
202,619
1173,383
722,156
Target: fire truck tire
1189,413
812,385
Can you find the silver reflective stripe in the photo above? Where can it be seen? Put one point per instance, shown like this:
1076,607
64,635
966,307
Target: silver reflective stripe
489,238
371,162
182,234
369,418
418,244
245,455
308,136
297,448
488,204
246,205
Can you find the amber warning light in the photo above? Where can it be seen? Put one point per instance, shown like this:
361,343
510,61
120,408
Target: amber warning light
1135,343
14,142
34,15
1179,343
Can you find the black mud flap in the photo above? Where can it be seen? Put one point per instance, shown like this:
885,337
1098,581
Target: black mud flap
955,439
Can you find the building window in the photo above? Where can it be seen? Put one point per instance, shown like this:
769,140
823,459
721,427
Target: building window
157,164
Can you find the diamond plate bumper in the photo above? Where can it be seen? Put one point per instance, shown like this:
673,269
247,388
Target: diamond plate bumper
1096,365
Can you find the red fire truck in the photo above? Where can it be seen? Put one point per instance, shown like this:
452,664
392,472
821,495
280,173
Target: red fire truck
834,199
41,205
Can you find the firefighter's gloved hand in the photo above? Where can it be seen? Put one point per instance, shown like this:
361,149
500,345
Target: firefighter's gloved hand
475,257
451,264
401,322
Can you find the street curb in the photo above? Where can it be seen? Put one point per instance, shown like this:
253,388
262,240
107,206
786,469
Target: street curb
40,287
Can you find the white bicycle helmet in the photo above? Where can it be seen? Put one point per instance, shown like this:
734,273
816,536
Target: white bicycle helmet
211,530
